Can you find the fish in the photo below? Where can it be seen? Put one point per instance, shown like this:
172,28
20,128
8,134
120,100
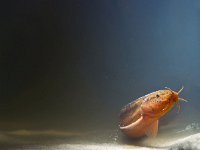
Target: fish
141,117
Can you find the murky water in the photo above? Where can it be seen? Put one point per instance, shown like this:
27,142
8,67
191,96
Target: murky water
69,67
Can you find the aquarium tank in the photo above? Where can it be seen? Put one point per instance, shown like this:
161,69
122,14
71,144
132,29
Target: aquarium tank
71,68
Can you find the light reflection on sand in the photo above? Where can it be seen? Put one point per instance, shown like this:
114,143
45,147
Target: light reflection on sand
53,139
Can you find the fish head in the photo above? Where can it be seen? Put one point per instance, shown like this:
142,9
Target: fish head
158,103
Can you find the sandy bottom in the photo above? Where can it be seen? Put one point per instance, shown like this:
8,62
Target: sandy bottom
187,138
86,147
190,142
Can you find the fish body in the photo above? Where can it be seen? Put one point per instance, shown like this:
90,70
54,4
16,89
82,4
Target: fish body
141,117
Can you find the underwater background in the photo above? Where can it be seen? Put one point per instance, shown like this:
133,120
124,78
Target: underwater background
68,67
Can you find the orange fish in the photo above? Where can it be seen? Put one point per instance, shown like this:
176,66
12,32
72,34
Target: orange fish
140,117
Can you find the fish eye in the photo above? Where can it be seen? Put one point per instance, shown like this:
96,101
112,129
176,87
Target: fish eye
157,95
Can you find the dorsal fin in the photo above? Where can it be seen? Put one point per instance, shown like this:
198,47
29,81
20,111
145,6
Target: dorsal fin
129,113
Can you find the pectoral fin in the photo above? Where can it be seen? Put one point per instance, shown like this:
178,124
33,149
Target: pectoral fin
152,130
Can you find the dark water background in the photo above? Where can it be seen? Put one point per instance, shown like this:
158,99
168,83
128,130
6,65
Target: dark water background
71,65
